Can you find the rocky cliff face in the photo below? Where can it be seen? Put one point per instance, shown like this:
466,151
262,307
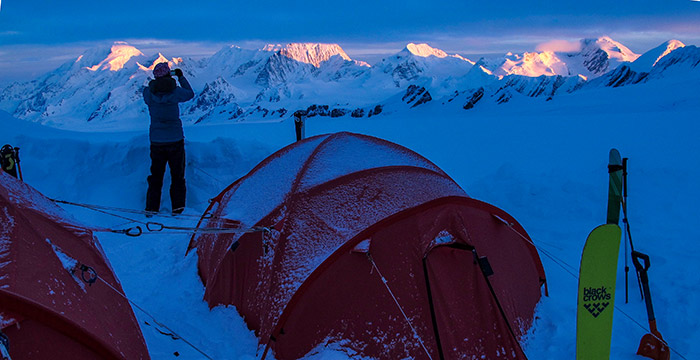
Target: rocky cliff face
217,97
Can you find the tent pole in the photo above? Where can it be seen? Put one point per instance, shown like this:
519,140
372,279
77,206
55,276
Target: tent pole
486,270
432,309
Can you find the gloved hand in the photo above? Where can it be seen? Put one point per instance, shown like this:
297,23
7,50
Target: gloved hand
178,72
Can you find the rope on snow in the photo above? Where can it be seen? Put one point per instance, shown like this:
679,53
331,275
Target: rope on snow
171,333
139,212
157,227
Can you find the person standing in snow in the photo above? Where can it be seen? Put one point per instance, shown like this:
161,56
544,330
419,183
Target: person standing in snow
167,137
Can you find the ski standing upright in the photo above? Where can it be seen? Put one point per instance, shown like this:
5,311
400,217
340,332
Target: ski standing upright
598,275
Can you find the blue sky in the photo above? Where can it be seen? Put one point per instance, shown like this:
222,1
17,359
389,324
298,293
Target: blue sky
40,33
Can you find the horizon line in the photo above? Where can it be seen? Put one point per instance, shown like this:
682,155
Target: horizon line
32,61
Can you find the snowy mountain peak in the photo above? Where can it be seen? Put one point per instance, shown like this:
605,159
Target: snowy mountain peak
174,62
645,62
309,53
120,54
591,58
425,50
231,49
158,60
533,64
612,48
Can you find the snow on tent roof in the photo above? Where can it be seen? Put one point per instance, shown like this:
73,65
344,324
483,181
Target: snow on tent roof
346,154
46,309
309,163
317,196
265,187
24,196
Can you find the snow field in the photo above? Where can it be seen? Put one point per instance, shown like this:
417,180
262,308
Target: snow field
542,162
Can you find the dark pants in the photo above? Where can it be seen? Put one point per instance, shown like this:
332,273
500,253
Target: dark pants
172,154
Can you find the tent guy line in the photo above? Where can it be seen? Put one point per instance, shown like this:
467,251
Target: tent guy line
157,227
647,330
563,264
174,335
138,212
386,284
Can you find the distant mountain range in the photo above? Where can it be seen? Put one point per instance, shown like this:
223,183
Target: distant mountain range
103,85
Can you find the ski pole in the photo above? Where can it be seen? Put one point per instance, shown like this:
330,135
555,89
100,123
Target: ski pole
627,270
628,230
19,168
624,197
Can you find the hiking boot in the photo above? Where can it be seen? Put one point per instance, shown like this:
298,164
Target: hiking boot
178,211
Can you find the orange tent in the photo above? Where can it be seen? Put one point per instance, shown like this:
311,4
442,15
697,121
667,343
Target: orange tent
47,310
373,249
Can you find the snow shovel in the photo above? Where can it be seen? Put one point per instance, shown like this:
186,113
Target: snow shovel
652,345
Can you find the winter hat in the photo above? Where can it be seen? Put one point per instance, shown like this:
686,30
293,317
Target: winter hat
161,70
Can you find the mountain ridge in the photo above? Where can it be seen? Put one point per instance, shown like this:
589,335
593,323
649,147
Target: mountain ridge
103,85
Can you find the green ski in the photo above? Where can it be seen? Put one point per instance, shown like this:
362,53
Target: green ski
598,275
596,293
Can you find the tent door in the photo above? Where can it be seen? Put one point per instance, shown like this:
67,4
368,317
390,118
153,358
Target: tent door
466,318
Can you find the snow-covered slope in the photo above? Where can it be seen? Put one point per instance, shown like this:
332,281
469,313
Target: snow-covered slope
422,63
101,89
604,54
647,61
101,86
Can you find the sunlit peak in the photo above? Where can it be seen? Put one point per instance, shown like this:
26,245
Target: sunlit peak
310,53
425,50
670,46
119,55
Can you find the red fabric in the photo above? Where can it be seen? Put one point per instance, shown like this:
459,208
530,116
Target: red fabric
58,315
310,283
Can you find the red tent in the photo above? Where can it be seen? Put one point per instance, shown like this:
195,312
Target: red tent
374,250
46,310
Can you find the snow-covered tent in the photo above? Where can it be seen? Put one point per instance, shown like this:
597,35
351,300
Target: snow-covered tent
47,310
373,249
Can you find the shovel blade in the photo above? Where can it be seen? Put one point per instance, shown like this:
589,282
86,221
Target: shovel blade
654,348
